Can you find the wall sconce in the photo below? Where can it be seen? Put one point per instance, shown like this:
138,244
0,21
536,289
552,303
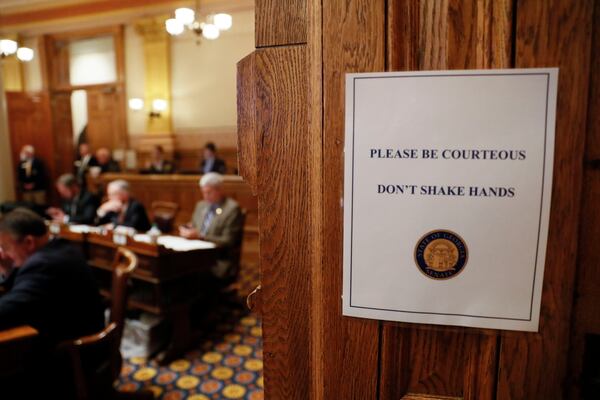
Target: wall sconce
158,106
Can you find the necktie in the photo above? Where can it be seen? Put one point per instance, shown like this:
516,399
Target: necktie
207,220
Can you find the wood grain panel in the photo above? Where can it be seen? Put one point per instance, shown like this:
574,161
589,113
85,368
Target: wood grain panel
106,116
403,35
29,122
553,34
425,35
285,219
586,318
433,31
479,34
281,22
62,131
247,148
353,41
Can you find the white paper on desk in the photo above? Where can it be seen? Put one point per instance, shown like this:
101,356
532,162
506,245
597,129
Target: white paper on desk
176,243
84,229
80,228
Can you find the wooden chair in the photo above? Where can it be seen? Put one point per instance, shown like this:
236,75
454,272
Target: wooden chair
163,214
97,382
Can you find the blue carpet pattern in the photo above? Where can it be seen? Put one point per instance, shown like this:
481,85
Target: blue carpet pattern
228,365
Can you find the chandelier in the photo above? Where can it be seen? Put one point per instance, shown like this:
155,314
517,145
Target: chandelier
209,27
9,47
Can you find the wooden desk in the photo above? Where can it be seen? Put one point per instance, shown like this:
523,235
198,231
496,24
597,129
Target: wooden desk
184,190
166,282
163,279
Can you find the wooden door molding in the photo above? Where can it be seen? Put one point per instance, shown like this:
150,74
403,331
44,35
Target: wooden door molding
353,41
311,350
534,365
107,113
586,318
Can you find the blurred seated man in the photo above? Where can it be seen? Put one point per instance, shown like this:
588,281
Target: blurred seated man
106,162
78,206
49,285
210,161
217,219
158,164
121,209
32,176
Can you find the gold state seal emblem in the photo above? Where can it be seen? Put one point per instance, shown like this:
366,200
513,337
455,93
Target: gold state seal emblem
441,254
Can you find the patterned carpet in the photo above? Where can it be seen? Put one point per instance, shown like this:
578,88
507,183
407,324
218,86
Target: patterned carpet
227,364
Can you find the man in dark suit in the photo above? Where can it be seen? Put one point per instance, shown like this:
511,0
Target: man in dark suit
210,162
49,285
218,219
158,164
78,206
32,177
121,209
106,162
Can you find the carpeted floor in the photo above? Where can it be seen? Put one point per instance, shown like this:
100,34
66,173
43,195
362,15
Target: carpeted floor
227,364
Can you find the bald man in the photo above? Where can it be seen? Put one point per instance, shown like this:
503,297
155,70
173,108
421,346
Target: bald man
32,176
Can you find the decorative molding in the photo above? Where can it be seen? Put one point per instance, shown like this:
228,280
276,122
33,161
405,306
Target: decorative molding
62,15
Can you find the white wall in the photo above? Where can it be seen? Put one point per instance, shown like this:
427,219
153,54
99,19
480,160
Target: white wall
79,112
204,76
92,61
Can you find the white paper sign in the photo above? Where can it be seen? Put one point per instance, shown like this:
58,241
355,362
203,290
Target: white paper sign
448,177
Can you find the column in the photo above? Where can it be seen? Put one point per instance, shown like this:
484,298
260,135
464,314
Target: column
157,70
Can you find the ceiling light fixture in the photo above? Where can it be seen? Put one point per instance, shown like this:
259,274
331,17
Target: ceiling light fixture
209,27
9,47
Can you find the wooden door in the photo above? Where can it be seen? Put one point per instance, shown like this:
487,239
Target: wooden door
291,127
62,132
30,123
106,118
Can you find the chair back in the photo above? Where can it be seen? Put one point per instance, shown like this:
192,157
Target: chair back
96,383
123,266
163,214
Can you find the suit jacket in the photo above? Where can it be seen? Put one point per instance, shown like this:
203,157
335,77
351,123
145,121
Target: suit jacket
218,166
55,292
110,166
135,217
37,174
81,209
167,168
225,230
